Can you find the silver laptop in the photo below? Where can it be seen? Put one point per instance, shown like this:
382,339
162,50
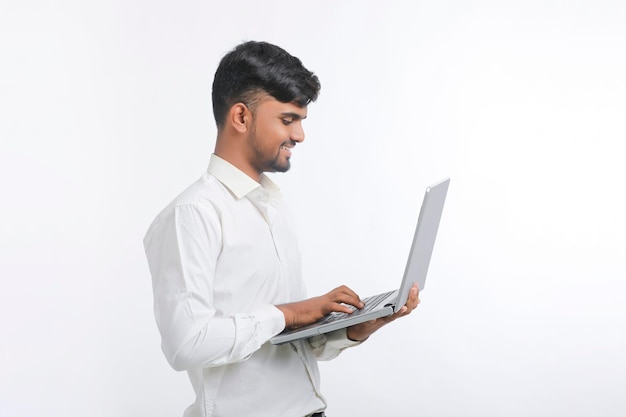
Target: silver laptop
386,304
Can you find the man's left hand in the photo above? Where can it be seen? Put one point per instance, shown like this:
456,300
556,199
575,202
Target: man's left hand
360,332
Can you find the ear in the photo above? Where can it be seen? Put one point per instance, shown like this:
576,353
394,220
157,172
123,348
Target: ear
239,117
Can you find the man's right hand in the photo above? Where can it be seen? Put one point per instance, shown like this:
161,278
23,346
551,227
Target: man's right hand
308,311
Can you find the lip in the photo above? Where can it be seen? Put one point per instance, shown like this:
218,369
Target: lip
287,149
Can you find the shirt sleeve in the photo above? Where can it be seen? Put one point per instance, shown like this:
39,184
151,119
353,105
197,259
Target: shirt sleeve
182,247
329,346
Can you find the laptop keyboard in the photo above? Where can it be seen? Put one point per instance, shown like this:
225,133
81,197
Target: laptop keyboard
370,304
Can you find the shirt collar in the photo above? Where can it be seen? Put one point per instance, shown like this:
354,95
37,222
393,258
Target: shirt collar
236,181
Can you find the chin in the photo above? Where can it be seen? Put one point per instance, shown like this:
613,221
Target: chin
282,167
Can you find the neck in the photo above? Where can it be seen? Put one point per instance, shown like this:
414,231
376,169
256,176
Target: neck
236,157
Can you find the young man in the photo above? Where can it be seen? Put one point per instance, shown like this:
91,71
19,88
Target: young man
224,258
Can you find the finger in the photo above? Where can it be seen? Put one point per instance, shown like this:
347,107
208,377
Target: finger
345,295
341,307
353,296
413,299
404,310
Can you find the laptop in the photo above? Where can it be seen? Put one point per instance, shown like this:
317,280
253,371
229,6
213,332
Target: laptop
386,304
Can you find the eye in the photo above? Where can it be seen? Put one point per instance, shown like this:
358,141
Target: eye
287,122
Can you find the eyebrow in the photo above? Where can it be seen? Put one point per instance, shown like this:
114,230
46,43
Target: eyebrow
294,116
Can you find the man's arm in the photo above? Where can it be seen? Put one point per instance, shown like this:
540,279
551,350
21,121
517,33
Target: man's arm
182,248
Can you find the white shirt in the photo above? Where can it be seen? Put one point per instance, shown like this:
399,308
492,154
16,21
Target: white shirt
222,255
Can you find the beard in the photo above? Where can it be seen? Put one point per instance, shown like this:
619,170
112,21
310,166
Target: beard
280,167
265,160
275,164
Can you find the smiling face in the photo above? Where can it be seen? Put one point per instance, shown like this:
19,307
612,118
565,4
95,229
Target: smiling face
276,128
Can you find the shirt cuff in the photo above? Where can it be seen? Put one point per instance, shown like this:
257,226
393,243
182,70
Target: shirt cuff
330,345
255,329
339,339
273,317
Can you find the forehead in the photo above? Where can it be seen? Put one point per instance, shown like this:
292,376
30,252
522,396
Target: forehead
270,106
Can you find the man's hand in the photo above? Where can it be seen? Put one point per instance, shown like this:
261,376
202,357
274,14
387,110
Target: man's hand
309,311
360,332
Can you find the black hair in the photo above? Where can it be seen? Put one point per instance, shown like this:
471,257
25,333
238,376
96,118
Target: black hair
255,67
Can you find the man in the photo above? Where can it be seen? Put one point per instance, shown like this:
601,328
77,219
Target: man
224,258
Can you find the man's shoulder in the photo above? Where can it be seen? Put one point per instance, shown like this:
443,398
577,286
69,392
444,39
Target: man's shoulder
206,195
206,192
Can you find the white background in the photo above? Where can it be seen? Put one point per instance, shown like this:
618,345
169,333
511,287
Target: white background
105,115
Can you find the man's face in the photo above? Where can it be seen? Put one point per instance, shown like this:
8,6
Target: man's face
276,128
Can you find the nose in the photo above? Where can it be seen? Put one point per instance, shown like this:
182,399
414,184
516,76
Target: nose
297,133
